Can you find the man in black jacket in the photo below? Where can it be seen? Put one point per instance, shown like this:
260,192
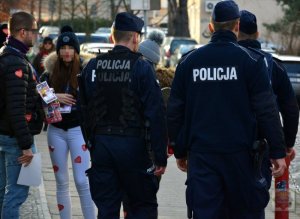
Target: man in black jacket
20,112
123,100
218,93
282,88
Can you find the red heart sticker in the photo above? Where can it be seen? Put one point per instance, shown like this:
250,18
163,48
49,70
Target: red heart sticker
55,168
77,159
84,147
28,117
60,207
19,73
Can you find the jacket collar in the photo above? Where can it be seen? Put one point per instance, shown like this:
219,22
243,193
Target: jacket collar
16,44
250,43
223,36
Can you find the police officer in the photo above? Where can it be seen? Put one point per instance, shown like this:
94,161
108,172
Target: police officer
282,88
218,93
122,95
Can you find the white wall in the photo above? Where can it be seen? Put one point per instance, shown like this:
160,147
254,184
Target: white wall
266,11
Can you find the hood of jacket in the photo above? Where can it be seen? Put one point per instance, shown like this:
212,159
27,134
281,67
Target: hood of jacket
49,62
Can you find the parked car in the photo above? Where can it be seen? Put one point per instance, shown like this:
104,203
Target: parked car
45,31
181,51
171,44
93,38
90,50
292,66
105,30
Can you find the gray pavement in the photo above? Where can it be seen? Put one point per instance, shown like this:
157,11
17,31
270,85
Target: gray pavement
41,203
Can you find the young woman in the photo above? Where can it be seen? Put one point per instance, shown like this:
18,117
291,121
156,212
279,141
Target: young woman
65,136
46,48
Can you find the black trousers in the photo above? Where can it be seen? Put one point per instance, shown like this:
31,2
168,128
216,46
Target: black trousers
119,166
224,186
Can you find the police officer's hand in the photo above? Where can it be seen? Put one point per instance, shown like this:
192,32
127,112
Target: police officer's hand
279,167
26,158
291,153
66,99
182,164
159,170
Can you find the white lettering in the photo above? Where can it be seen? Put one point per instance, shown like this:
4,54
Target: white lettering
219,74
233,75
127,65
215,74
108,65
209,74
113,64
195,74
117,64
99,63
93,75
203,74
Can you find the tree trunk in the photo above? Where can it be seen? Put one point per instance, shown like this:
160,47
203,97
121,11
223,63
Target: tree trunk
112,9
87,17
72,11
178,19
172,7
59,11
32,7
40,12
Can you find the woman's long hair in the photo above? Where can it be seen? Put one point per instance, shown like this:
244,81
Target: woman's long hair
63,75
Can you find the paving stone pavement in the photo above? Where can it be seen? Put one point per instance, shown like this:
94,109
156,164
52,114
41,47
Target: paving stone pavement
41,203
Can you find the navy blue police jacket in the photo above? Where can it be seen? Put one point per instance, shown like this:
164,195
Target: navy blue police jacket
283,90
144,84
218,93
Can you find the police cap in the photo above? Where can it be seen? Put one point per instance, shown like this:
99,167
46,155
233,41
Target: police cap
225,11
248,22
128,22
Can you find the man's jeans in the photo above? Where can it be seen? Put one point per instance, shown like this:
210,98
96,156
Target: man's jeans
12,195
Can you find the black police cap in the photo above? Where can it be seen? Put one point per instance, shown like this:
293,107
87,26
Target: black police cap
225,11
128,22
248,23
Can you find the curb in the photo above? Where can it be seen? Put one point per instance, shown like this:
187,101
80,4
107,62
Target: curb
44,203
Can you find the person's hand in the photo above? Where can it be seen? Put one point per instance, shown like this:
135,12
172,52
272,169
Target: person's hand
66,99
159,171
291,153
279,167
26,158
182,164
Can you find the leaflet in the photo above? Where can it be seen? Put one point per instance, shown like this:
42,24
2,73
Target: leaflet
45,92
32,174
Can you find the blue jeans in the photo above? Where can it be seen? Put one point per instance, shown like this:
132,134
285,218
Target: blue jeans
12,195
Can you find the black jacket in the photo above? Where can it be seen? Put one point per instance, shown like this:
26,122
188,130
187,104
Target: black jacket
285,96
218,93
21,114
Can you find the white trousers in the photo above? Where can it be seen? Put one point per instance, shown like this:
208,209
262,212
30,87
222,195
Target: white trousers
60,143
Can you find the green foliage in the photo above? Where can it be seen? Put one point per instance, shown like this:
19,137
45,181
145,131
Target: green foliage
289,25
81,24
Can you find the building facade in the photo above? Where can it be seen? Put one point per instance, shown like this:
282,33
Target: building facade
266,11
